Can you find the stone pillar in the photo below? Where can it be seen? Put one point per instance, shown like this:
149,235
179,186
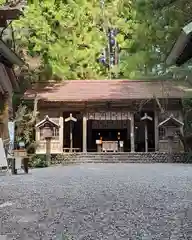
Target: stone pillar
84,134
156,129
61,130
132,132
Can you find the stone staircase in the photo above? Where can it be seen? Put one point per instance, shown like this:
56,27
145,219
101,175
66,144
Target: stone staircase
121,157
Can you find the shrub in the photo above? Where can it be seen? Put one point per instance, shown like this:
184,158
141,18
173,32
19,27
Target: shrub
39,161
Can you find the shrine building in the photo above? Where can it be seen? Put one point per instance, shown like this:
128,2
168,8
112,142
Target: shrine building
110,115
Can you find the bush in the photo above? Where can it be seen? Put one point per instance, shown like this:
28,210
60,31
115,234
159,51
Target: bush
39,161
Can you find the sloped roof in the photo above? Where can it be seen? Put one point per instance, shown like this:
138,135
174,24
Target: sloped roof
95,90
171,121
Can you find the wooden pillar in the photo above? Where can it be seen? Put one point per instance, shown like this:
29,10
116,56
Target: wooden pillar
132,132
61,130
84,134
89,136
156,130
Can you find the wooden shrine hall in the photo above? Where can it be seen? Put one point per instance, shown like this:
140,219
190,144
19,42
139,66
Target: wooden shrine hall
110,115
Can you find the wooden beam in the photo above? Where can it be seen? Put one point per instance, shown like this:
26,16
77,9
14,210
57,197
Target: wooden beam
7,13
4,80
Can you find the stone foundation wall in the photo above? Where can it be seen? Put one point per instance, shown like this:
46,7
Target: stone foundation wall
151,157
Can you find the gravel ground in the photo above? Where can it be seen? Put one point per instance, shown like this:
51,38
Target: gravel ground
98,201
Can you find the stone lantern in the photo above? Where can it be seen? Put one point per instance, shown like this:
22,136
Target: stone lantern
47,126
171,126
47,131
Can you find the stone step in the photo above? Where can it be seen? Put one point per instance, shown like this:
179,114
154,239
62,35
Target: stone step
125,157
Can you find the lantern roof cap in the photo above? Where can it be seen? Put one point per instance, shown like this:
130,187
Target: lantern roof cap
171,121
71,118
146,117
46,120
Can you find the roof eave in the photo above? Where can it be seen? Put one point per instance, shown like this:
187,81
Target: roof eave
177,49
13,78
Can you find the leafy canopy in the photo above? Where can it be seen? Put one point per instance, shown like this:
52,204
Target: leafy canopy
69,36
66,35
157,26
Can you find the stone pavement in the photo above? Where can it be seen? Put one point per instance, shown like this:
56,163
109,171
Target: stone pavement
98,201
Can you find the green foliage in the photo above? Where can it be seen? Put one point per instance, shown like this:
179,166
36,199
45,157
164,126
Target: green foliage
187,109
65,236
69,36
39,161
2,2
65,35
24,127
148,36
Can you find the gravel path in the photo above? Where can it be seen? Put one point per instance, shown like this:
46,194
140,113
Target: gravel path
98,201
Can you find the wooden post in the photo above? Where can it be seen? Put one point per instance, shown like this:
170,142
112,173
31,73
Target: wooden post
84,134
156,130
71,136
146,118
132,132
61,130
48,150
146,137
71,119
170,144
